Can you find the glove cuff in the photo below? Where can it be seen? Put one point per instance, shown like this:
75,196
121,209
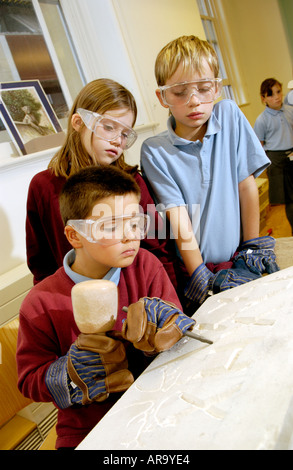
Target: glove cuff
259,243
198,285
57,381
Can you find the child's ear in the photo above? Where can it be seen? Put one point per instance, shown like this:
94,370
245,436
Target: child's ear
73,236
76,122
158,93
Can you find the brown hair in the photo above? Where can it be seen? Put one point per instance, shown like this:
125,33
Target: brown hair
188,50
267,85
83,190
99,96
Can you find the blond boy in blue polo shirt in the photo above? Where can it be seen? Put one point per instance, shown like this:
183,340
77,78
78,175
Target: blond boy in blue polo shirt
202,170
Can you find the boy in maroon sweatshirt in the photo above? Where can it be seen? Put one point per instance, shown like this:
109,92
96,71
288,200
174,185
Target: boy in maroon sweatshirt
104,225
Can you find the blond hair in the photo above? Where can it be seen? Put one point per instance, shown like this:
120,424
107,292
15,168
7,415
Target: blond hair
99,96
190,51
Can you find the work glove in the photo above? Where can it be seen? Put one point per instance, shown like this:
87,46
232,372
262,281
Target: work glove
204,283
228,278
259,255
94,367
97,365
153,325
198,287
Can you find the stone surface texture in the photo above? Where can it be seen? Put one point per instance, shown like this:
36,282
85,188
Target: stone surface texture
234,394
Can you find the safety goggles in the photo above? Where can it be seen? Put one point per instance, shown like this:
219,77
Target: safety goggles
112,230
108,128
206,90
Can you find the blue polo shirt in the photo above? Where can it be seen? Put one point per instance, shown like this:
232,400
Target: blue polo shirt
275,128
204,176
112,275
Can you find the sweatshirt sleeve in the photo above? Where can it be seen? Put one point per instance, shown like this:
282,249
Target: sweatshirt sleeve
46,331
34,356
46,243
40,259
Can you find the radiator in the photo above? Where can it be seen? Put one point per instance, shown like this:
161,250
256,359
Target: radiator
36,438
14,286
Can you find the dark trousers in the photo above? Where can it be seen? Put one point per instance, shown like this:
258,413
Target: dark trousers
280,174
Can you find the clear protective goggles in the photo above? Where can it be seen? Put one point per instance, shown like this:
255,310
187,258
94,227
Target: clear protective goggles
112,230
108,128
206,90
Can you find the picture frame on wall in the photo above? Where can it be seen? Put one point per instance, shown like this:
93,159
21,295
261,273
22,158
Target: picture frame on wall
28,116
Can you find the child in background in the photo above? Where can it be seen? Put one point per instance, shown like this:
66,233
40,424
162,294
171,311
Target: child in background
99,130
202,169
50,344
274,128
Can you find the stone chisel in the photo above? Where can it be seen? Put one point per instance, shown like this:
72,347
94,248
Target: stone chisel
190,334
198,337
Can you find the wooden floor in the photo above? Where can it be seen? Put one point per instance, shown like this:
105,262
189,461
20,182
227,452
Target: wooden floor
277,222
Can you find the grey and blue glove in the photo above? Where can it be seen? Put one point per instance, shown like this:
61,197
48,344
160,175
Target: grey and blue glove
199,285
203,282
153,325
228,278
94,367
259,255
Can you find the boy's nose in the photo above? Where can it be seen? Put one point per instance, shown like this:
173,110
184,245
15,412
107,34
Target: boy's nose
129,235
193,99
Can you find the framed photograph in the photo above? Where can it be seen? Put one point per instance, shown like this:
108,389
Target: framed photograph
27,113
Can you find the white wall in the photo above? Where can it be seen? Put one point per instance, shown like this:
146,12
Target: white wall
147,26
260,45
15,175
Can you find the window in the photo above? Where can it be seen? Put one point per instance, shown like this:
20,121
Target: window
211,28
61,47
35,44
